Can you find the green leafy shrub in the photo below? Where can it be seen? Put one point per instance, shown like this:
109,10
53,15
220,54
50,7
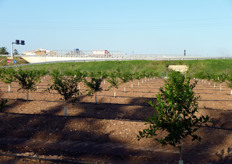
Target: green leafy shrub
8,76
66,86
125,77
27,80
176,108
94,85
113,80
229,82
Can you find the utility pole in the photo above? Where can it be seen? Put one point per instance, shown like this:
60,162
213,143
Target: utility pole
184,52
18,43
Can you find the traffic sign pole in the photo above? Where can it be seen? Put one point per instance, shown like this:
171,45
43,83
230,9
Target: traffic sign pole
12,49
16,42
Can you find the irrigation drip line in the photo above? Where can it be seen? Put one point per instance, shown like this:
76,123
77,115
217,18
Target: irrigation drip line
93,103
70,117
41,159
100,96
79,89
77,97
213,127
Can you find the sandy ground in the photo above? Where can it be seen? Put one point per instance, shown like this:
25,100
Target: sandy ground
106,132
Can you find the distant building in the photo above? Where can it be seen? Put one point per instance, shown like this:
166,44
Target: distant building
40,52
100,53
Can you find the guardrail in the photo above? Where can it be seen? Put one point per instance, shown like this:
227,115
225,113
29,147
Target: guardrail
122,57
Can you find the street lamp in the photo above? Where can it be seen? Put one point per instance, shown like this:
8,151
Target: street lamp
18,42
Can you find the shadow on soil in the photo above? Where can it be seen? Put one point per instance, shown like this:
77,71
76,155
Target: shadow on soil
84,135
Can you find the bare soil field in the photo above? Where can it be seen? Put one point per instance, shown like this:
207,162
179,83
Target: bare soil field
36,131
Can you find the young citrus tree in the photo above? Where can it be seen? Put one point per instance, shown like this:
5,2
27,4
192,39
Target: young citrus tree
113,80
137,75
27,80
208,77
229,82
66,86
125,77
94,84
201,75
7,76
176,108
43,73
223,77
219,78
76,73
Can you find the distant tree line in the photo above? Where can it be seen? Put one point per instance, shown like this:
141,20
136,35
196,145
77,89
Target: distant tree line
3,51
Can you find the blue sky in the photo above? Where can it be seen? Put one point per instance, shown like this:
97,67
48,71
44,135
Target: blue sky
202,27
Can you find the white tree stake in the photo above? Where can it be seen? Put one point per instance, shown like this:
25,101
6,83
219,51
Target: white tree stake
114,94
65,109
95,98
124,89
180,150
8,88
